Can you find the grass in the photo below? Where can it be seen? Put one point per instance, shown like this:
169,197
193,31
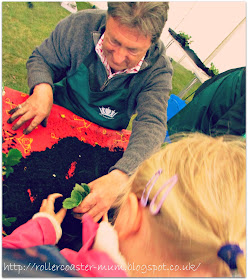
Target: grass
83,5
24,28
181,79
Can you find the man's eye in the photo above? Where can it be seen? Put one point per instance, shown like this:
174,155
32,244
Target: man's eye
113,42
133,51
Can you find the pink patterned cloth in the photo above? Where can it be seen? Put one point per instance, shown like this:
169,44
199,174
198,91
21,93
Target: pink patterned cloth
99,51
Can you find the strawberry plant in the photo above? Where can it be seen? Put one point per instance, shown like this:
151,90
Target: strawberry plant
8,160
7,221
78,194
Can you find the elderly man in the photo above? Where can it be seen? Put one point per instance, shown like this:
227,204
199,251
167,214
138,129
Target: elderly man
104,67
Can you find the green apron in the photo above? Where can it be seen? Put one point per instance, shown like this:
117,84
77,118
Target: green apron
107,109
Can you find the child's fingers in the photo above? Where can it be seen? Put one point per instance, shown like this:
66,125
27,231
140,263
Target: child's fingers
60,215
51,199
44,202
43,205
48,204
53,196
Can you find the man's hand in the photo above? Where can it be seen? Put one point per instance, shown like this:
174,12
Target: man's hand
47,206
103,193
37,107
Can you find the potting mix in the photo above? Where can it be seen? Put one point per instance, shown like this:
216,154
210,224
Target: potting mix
69,150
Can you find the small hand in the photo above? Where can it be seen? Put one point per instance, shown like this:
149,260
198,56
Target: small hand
103,193
37,107
47,206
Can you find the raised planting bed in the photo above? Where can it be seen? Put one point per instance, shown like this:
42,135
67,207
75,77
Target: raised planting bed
70,150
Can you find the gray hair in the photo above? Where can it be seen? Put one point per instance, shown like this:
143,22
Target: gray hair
147,17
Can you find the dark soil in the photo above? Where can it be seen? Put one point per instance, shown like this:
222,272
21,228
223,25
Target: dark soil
54,170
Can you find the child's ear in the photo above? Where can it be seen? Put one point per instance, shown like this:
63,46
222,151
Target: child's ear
129,218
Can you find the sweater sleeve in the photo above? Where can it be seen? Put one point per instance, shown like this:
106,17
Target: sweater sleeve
65,49
35,232
49,61
150,125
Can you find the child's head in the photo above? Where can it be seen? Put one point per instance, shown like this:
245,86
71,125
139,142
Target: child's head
204,210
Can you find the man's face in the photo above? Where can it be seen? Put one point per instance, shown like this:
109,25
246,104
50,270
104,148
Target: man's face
123,47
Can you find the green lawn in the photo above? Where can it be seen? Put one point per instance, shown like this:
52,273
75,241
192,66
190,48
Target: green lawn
24,28
181,78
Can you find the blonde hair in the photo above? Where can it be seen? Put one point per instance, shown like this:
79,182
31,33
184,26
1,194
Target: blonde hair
207,207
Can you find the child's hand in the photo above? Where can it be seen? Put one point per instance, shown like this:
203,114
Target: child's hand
47,206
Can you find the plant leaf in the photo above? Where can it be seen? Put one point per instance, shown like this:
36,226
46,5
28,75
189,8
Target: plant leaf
77,197
69,203
7,221
78,193
4,157
86,188
79,188
9,170
12,219
13,157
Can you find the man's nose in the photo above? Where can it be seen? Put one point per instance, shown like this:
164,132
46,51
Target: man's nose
119,56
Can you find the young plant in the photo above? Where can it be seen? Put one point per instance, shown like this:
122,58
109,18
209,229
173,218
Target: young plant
9,160
186,38
214,69
8,221
78,194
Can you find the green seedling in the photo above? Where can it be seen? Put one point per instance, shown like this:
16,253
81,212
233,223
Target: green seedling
9,160
78,194
214,69
8,221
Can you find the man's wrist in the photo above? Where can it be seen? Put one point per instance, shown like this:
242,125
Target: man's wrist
119,173
43,86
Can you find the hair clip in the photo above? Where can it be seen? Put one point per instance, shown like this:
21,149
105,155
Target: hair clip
169,184
152,181
228,253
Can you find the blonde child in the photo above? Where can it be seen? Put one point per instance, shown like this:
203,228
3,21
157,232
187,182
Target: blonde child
196,226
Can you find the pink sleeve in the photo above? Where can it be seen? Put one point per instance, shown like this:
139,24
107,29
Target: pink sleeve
90,262
35,232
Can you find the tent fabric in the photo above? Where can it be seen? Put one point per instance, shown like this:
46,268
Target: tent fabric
217,108
62,123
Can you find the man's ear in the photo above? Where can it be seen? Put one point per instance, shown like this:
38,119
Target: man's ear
129,217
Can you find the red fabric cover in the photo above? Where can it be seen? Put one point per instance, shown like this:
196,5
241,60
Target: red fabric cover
88,262
61,123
